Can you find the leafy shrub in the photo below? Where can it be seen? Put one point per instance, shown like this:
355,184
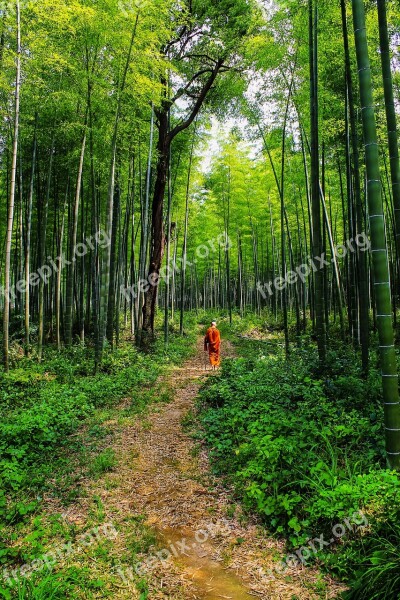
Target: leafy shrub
304,450
378,572
104,462
42,404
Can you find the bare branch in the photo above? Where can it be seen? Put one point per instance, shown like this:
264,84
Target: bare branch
206,56
185,89
196,108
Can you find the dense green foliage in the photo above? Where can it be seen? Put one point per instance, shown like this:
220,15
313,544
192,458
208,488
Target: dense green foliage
205,154
54,412
304,449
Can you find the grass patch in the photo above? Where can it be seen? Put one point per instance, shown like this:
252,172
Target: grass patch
56,432
305,451
103,463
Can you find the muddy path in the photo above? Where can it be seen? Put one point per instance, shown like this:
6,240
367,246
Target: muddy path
205,547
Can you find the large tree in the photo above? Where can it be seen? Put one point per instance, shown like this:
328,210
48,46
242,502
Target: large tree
207,42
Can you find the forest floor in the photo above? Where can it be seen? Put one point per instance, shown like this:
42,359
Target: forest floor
180,533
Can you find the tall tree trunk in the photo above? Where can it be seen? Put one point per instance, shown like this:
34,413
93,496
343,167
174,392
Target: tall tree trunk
113,264
227,218
106,262
59,270
165,138
28,241
42,250
20,244
361,259
185,233
72,244
334,262
391,118
378,241
10,218
315,196
168,274
157,225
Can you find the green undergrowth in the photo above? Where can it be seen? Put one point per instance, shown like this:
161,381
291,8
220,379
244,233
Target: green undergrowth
306,452
56,434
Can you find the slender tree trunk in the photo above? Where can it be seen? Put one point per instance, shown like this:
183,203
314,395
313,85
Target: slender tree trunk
185,232
168,274
316,206
72,244
134,323
334,261
113,264
275,266
310,224
145,230
361,258
173,289
59,270
227,253
119,271
106,258
391,118
20,245
28,242
42,251
10,219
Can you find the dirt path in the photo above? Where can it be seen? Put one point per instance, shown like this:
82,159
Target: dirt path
210,550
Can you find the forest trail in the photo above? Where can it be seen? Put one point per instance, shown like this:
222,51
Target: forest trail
163,476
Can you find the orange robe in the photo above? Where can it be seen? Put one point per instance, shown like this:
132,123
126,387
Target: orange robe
212,343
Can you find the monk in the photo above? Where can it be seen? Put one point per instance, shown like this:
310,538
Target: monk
212,344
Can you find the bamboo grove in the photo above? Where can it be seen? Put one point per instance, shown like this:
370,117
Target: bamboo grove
161,156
